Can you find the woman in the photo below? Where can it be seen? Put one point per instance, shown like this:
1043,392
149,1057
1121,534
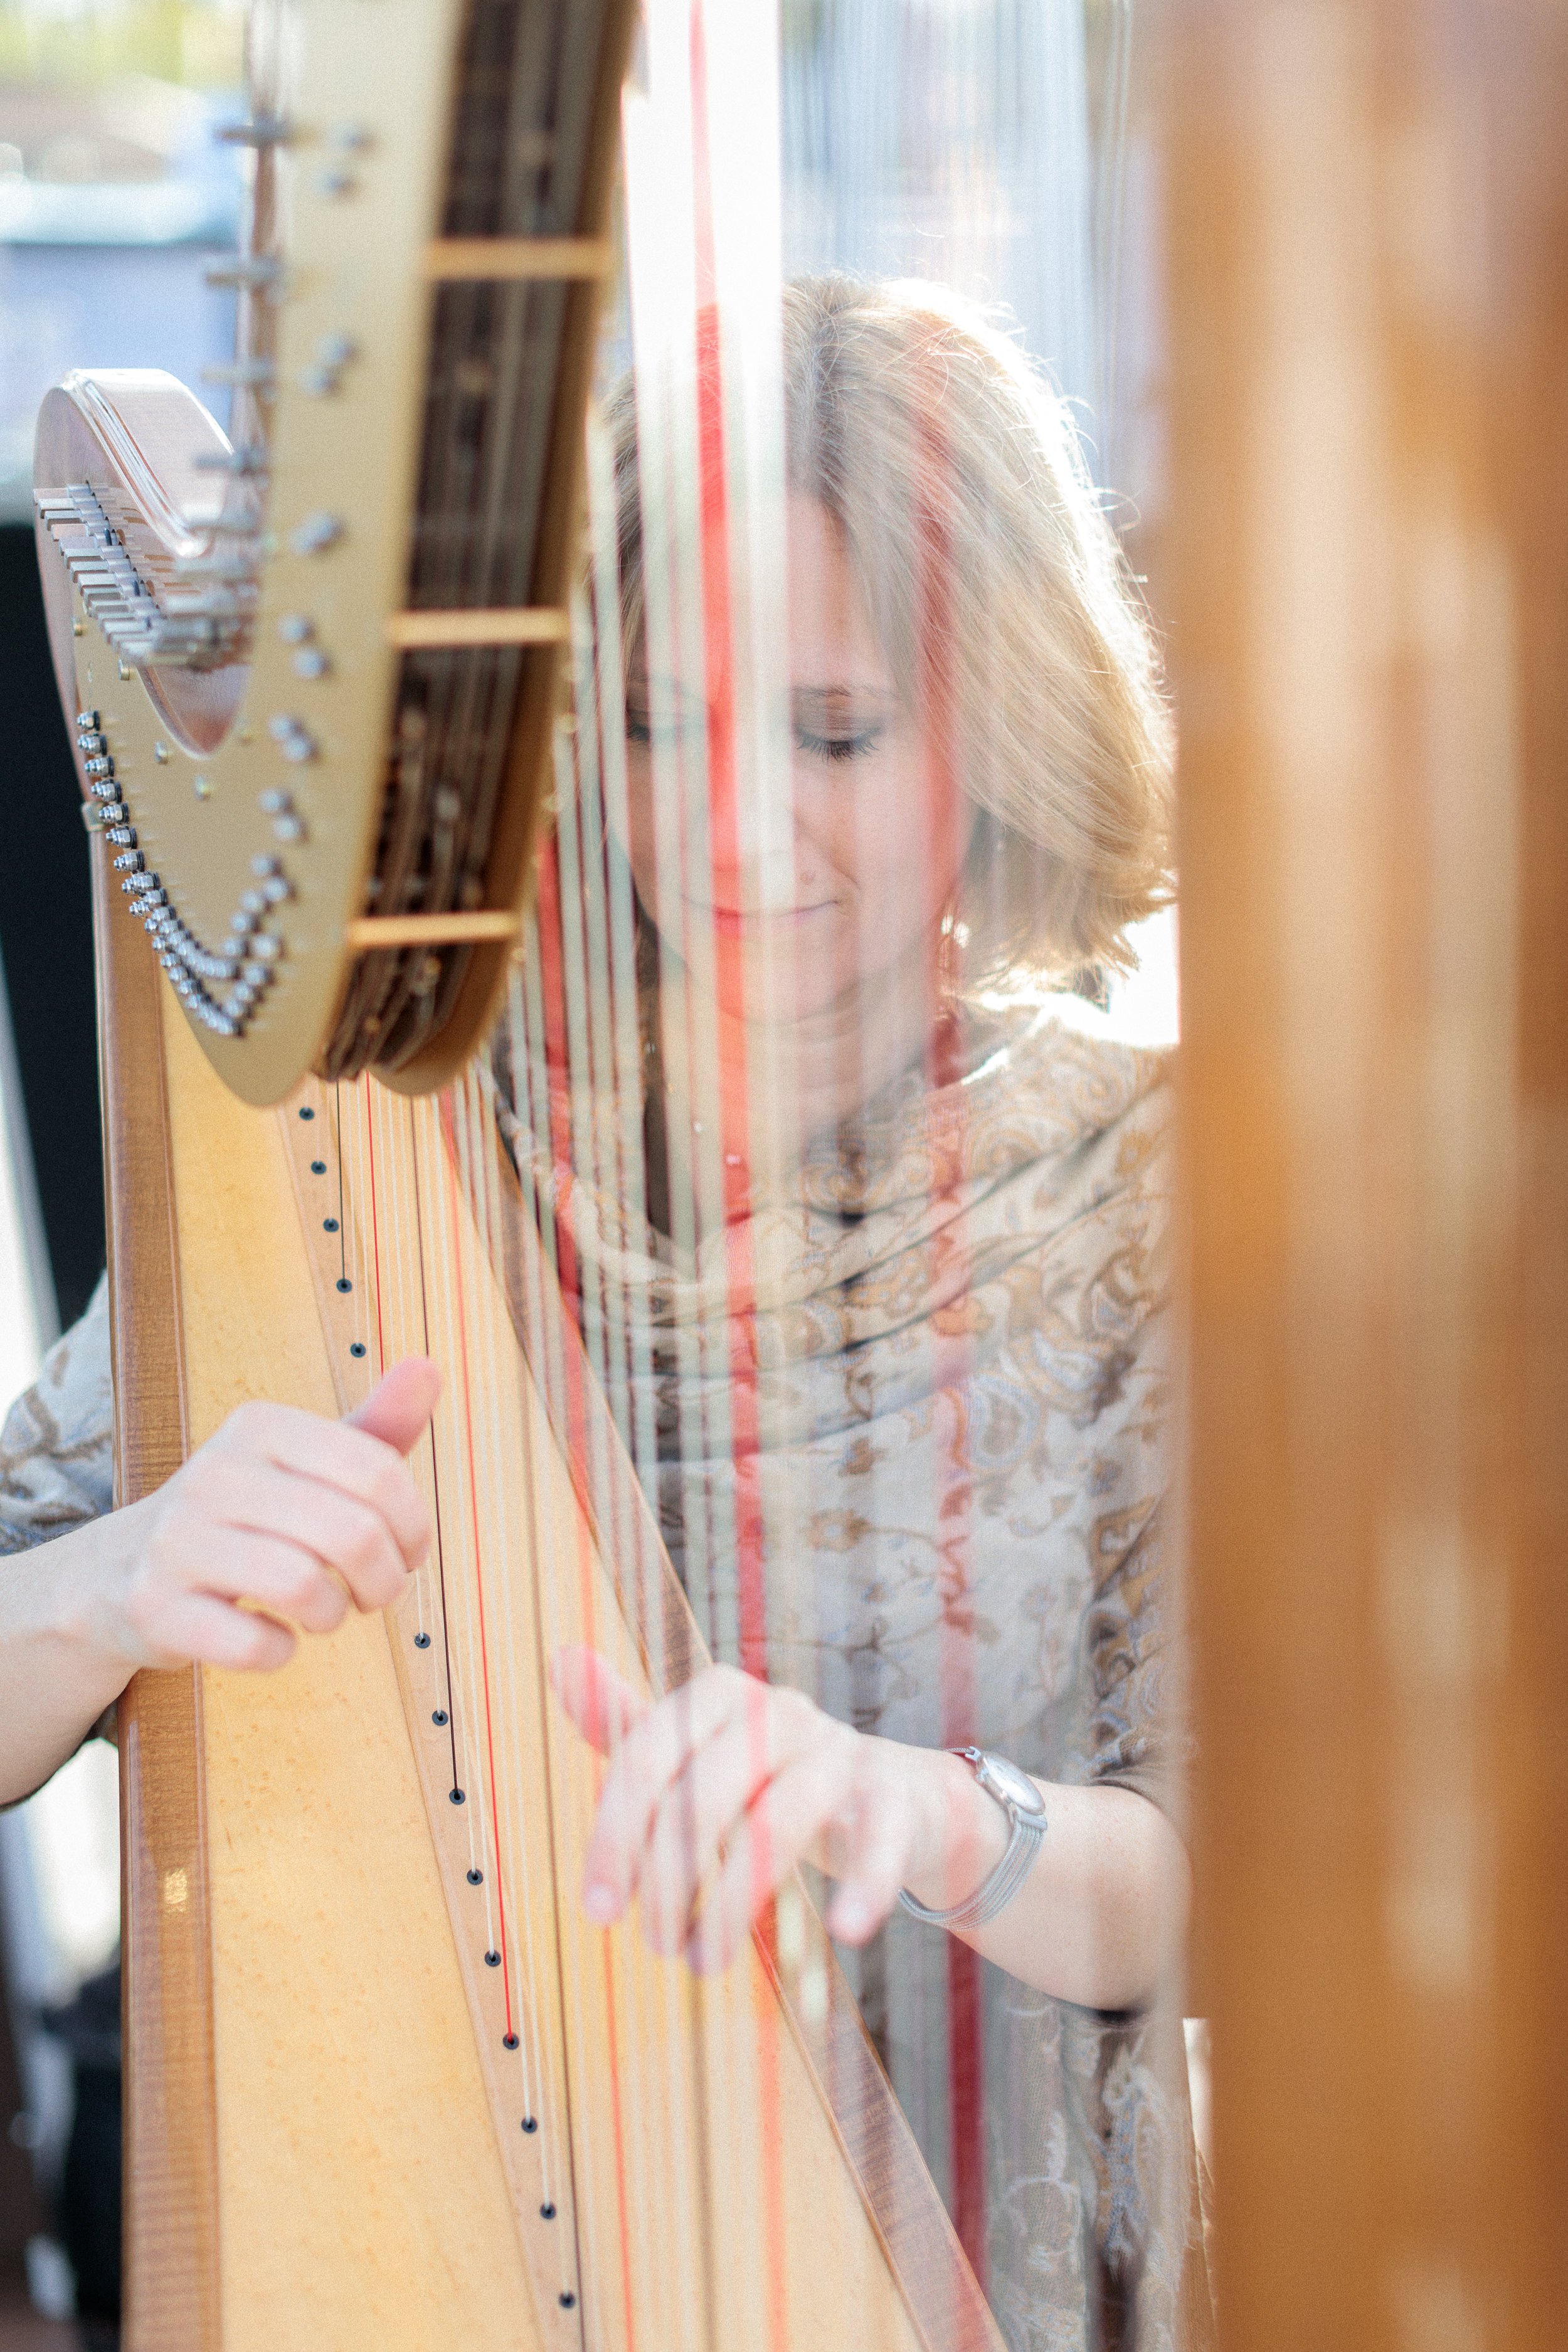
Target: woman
908,1366
950,1229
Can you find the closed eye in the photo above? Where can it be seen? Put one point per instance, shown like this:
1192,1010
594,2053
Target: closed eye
839,747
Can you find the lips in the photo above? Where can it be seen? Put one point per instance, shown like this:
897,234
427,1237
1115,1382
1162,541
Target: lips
731,922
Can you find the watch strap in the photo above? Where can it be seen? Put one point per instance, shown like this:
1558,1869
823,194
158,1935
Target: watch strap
993,1894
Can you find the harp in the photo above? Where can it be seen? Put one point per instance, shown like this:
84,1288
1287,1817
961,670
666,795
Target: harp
278,667
386,2085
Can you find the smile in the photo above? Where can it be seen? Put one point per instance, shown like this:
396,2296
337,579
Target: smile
731,922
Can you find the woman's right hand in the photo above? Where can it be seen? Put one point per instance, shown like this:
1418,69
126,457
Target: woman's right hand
277,1526
280,1516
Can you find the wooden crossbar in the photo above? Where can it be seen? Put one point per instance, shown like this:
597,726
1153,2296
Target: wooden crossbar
517,625
367,931
479,258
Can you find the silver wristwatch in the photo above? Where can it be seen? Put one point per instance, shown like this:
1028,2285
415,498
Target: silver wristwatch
1020,1800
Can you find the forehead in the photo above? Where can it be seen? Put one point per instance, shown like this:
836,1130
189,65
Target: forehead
831,639
833,645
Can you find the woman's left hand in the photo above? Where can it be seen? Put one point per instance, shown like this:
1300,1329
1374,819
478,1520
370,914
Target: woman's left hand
714,1794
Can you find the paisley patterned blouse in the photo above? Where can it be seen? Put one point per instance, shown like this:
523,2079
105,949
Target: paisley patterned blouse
57,1454
955,1310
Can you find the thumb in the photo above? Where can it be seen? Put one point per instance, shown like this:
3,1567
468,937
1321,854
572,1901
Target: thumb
600,1702
400,1404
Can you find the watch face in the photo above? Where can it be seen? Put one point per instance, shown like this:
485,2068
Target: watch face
1015,1786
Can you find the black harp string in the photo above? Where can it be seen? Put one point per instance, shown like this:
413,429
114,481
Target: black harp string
565,1764
505,1454
439,1312
508,1470
437,1515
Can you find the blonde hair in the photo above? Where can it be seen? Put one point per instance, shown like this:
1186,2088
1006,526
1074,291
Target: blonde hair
1000,598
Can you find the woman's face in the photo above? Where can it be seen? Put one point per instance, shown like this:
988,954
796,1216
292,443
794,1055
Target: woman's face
861,866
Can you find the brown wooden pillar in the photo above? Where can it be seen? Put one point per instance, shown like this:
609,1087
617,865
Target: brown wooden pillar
1364,575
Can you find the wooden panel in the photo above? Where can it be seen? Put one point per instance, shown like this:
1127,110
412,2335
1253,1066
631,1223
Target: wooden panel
171,2290
362,2201
1367,249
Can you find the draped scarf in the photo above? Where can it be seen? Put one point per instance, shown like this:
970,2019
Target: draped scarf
921,1385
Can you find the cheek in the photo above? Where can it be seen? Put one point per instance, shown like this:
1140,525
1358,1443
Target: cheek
901,854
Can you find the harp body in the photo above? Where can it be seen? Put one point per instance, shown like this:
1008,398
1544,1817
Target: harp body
326,2125
386,2087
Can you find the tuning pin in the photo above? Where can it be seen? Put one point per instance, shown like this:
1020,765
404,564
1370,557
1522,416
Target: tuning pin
250,458
262,130
251,271
316,533
243,375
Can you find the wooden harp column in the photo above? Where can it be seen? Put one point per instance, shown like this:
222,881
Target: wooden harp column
1368,223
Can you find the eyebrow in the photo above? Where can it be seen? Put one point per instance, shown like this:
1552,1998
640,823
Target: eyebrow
881,698
844,691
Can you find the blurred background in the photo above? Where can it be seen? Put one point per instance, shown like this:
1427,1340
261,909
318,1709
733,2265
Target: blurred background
988,143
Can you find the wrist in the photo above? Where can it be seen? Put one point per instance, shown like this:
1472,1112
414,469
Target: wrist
965,1833
79,1597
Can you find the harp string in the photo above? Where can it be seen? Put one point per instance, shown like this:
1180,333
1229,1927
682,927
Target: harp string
559,949
690,642
556,1353
601,688
503,1463
534,1544
730,1184
581,850
951,1502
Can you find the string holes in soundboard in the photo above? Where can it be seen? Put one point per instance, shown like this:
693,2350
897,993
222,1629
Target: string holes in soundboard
439,1716
318,1166
457,1796
328,1225
493,1959
568,2300
343,1282
531,2123
306,1112
508,2041
357,1347
421,1640
475,1878
547,2212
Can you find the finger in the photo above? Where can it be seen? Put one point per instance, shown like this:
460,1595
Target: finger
648,1759
213,1632
335,1455
244,1564
878,1840
787,1820
398,1408
600,1702
769,1844
718,1797
344,1534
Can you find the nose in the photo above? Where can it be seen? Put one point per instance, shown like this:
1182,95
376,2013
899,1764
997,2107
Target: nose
759,863
755,865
